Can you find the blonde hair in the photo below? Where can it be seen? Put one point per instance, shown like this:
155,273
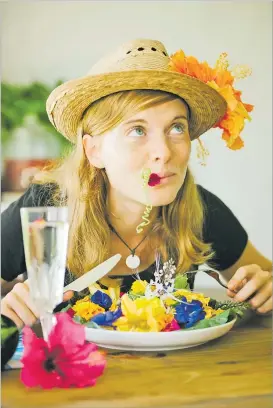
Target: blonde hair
178,229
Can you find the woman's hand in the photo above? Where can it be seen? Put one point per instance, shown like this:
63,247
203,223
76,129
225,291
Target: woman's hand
252,280
19,307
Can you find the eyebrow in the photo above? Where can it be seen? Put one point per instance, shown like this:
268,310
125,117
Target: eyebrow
144,121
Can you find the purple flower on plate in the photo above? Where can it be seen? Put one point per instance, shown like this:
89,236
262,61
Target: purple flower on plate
101,299
107,318
189,313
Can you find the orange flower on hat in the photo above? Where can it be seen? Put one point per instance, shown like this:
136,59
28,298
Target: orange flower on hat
221,79
190,66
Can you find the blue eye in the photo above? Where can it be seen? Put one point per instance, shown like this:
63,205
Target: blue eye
179,128
137,131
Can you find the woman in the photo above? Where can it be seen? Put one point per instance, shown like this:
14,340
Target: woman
132,113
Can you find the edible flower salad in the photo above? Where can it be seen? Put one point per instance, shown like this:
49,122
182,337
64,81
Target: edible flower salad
164,304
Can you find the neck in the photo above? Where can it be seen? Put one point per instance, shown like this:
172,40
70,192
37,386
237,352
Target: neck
125,215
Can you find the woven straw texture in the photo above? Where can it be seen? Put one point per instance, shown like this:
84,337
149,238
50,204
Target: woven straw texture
139,64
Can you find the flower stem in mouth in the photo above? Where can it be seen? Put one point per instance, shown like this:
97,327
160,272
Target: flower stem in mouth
154,180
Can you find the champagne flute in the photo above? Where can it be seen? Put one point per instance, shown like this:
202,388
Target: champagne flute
45,236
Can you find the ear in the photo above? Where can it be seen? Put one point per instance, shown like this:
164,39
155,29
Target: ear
92,151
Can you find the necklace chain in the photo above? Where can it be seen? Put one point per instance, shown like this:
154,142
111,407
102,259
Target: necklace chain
132,250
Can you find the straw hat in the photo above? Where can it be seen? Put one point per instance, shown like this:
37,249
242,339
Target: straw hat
139,64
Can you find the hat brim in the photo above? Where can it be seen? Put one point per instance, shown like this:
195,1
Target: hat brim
67,103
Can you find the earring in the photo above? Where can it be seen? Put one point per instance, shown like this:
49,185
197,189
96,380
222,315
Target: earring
202,153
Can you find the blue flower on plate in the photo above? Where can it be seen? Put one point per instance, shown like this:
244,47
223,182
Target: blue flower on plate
101,299
107,318
189,313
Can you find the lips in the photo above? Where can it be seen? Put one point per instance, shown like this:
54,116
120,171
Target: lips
156,177
165,175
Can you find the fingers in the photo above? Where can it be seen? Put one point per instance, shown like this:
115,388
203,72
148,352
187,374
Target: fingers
249,288
242,274
22,292
266,307
68,295
18,306
6,311
246,281
239,286
262,296
17,311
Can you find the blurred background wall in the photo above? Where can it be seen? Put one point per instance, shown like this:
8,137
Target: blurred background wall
45,42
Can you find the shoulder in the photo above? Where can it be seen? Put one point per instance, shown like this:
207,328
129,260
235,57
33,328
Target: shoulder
208,198
213,206
39,195
12,259
222,229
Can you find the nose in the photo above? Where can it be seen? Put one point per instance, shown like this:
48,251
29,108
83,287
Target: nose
160,150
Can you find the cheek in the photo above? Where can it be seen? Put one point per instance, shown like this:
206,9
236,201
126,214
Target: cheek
119,155
183,153
122,165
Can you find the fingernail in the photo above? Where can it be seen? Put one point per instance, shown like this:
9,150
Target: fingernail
232,284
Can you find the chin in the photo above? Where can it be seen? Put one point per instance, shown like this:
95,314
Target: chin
163,198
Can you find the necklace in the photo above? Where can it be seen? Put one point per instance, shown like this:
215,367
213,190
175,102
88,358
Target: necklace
132,261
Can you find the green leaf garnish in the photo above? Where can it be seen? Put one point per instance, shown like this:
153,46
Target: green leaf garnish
133,296
181,282
92,325
222,318
66,308
79,319
235,308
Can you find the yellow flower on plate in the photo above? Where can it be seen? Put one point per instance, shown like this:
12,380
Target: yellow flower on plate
170,302
192,296
210,312
139,287
86,309
142,314
85,299
113,292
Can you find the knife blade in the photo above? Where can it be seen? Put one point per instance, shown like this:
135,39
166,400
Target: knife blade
94,275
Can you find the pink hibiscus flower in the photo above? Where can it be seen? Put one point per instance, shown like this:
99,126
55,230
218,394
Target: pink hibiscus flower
66,360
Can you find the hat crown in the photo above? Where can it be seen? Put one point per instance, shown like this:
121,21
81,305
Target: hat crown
141,54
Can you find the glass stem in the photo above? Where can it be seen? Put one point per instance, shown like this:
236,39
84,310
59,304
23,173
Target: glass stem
48,321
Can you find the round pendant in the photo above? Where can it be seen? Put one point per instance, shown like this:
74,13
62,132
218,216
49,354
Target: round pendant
132,261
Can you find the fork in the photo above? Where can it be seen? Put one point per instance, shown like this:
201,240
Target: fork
215,275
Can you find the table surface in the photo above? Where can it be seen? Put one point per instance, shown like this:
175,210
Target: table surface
232,371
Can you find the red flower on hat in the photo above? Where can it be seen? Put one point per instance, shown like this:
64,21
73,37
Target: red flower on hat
66,360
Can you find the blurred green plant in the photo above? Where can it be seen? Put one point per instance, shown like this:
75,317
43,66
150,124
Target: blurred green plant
19,101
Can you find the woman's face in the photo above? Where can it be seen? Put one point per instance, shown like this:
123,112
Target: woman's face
156,138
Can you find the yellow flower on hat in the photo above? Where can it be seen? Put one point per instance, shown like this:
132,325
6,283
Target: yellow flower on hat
142,314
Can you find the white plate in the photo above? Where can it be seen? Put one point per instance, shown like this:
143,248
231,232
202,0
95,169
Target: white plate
153,341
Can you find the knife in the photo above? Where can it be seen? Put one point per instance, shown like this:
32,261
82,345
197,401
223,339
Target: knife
94,275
